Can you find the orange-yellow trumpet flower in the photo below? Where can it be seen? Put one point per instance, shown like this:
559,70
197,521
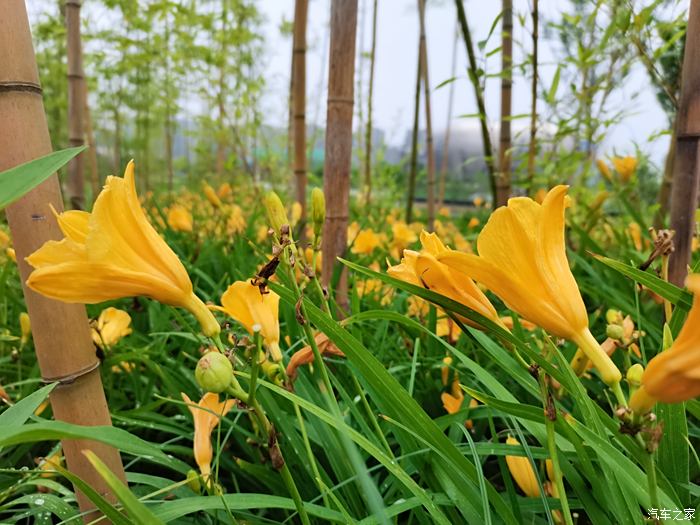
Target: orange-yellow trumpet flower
111,326
114,252
206,415
522,259
673,375
249,306
524,475
424,269
179,219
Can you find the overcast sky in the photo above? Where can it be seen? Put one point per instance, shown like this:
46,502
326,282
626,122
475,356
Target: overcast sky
397,30
397,44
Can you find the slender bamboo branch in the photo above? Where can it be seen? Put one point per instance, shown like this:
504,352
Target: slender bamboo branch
413,166
532,148
368,133
478,92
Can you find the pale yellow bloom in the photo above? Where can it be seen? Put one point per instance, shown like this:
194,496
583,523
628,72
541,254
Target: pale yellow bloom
179,219
111,326
206,415
10,252
522,259
296,212
246,304
235,223
635,232
114,252
473,223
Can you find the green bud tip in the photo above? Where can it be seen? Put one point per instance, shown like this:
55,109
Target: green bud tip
634,375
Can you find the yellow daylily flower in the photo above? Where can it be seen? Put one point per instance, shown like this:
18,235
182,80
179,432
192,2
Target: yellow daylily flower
402,235
25,326
473,223
179,219
224,190
625,167
49,464
11,254
244,302
211,195
523,474
295,213
604,169
114,252
478,202
365,242
235,223
522,259
111,326
673,375
635,231
4,239
206,415
425,269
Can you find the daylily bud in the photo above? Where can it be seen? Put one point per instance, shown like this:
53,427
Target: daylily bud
214,372
26,326
668,337
615,331
634,375
613,316
318,209
193,481
276,216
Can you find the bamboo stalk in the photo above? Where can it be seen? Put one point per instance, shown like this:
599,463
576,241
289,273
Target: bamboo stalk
299,106
92,152
503,181
481,107
445,161
666,182
430,168
76,103
532,149
684,194
368,133
413,169
336,170
64,347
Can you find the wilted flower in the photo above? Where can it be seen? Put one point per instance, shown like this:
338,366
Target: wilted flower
110,327
114,252
206,415
306,355
522,259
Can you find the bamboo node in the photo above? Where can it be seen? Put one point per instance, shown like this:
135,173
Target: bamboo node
341,100
71,378
16,85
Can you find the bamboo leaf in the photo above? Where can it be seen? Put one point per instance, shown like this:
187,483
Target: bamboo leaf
17,181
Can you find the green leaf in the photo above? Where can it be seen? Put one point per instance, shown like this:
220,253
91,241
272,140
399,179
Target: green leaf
395,401
139,513
552,93
117,437
674,457
17,181
666,290
17,414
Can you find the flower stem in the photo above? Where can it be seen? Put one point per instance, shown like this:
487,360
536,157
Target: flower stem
549,419
650,468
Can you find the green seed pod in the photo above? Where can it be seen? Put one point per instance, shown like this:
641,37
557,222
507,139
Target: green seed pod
193,481
276,215
318,209
615,331
214,372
